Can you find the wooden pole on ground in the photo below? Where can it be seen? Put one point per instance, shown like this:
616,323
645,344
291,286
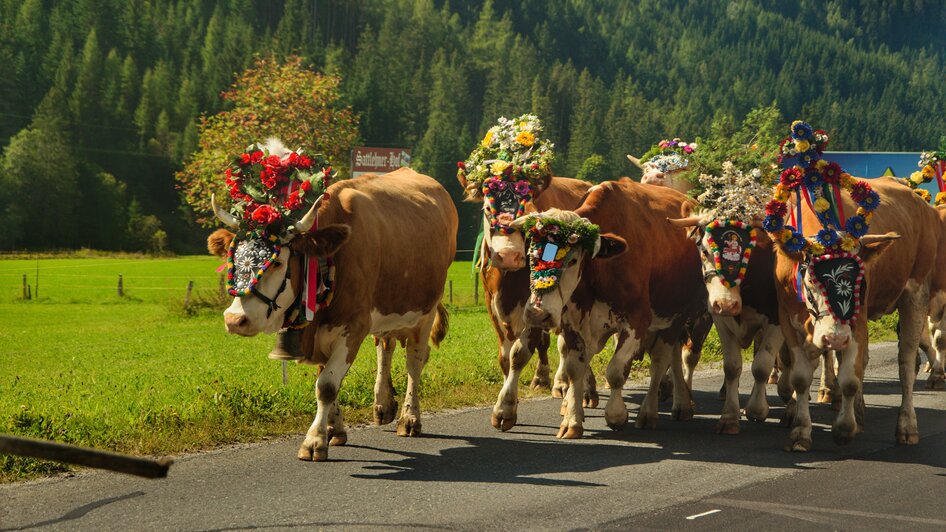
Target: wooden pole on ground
285,375
26,290
121,288
476,289
71,454
187,297
451,291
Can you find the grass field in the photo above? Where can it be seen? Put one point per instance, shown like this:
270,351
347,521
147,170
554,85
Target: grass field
144,374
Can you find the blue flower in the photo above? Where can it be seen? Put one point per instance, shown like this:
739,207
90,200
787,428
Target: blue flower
772,223
801,130
827,237
813,178
870,202
856,226
796,242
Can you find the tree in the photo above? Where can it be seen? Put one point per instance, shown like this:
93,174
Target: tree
282,99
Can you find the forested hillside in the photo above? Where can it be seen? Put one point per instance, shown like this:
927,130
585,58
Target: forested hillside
101,99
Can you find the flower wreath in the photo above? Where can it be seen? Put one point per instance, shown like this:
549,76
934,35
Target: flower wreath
818,182
513,150
506,198
267,191
551,243
932,164
669,155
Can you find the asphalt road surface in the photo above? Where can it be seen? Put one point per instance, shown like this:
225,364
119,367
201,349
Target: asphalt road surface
465,475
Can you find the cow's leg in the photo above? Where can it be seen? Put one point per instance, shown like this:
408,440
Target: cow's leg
784,384
574,365
542,377
845,425
505,410
385,406
559,383
827,390
315,445
936,355
693,347
660,355
336,427
732,370
799,438
590,398
767,343
913,307
615,411
682,409
418,351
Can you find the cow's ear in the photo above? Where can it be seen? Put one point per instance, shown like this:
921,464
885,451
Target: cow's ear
873,248
541,185
610,245
323,242
219,242
462,180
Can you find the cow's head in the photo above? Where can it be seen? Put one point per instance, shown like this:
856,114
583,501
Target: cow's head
560,242
265,274
833,286
725,249
664,171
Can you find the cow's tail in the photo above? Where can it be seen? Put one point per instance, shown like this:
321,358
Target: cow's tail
441,323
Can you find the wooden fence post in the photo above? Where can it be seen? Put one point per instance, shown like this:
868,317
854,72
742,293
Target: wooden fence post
476,289
26,294
121,288
451,291
187,297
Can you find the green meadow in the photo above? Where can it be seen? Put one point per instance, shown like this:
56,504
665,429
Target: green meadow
146,374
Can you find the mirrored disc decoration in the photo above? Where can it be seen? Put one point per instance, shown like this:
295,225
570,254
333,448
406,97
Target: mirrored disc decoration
731,244
247,261
839,277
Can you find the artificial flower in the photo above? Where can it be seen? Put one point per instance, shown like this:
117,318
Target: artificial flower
526,138
821,205
487,139
498,167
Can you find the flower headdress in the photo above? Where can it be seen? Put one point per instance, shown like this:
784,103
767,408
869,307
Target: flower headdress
513,150
553,237
818,183
932,164
669,155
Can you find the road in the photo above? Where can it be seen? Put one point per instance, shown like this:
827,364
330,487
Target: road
464,475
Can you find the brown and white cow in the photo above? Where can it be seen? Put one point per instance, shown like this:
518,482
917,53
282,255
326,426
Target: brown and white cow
903,279
506,290
653,175
745,313
392,238
642,282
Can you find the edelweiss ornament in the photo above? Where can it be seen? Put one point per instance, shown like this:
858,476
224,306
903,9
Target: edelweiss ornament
838,276
247,261
735,195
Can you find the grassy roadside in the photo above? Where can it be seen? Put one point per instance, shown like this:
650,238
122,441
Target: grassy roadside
142,374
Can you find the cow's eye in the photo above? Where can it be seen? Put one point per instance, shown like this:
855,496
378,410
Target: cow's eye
277,264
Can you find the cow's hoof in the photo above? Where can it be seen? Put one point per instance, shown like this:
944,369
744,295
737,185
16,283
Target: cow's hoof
936,382
665,390
904,438
825,396
570,433
311,454
801,445
558,391
385,414
618,421
645,421
503,422
773,378
338,438
842,437
727,426
590,400
408,426
681,413
540,383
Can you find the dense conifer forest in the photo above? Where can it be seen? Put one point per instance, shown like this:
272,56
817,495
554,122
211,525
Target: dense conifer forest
101,100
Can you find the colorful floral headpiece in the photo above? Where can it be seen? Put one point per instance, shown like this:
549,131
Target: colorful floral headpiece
552,241
669,155
734,195
932,164
817,182
270,191
513,150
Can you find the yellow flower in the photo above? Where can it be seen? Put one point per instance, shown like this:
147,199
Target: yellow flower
802,145
783,236
917,177
821,205
498,167
561,253
940,198
846,180
816,248
526,138
923,194
848,243
929,171
488,139
781,193
821,164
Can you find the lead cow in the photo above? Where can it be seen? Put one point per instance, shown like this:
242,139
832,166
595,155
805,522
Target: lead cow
392,238
594,289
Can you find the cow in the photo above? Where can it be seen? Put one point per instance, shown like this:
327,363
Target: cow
506,290
744,310
904,280
662,175
392,238
638,278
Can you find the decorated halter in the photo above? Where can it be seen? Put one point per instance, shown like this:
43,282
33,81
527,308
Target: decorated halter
268,193
669,155
932,165
552,242
838,276
730,243
506,168
818,183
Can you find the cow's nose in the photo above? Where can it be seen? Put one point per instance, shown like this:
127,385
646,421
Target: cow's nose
509,259
836,341
728,307
234,322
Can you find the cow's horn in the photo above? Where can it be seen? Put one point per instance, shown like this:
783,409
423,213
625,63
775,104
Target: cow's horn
303,225
635,161
228,219
690,221
870,239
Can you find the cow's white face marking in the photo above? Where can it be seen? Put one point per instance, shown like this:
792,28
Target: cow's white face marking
828,332
654,176
247,315
546,310
507,252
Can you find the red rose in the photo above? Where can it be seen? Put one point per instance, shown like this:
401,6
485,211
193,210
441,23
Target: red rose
269,183
293,158
461,165
228,172
245,158
274,161
304,162
265,214
293,202
256,157
306,186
